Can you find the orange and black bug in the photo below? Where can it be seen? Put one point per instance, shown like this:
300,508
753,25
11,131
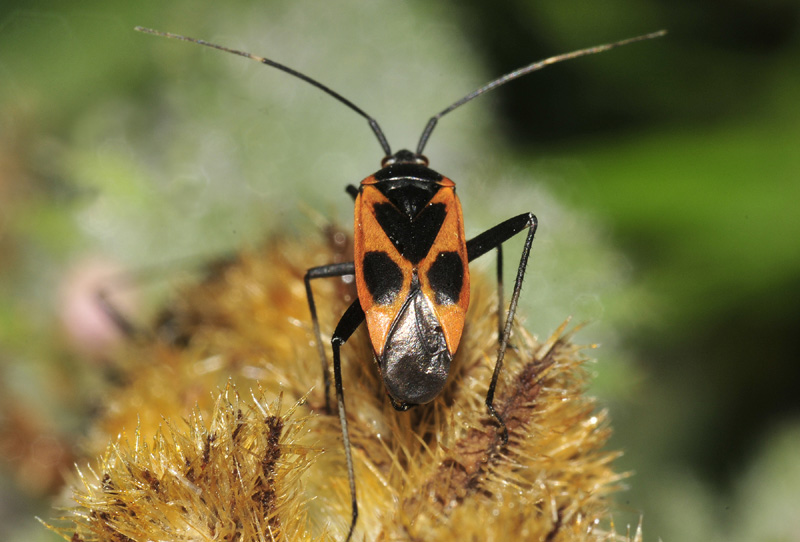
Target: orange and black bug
411,265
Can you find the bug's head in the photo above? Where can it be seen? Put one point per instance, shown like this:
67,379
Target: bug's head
404,156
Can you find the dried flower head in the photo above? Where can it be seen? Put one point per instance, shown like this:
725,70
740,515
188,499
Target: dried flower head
244,469
236,478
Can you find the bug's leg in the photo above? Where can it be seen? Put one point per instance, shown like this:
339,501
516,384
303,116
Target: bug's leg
480,245
352,190
347,325
324,271
112,286
499,293
122,322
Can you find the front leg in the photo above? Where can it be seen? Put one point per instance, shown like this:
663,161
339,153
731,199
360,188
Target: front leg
347,325
324,271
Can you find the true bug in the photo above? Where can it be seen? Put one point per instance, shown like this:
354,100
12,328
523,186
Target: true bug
411,264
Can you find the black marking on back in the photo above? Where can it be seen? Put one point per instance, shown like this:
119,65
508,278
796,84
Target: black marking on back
409,186
446,277
383,277
412,238
408,196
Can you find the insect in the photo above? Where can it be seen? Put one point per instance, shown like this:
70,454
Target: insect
411,265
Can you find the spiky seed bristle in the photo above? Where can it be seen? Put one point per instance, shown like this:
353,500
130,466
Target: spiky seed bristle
436,472
234,479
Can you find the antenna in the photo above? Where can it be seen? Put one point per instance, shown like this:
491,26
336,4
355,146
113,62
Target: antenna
372,122
423,140
426,133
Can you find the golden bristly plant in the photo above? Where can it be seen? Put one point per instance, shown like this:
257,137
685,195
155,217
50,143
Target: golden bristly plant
213,460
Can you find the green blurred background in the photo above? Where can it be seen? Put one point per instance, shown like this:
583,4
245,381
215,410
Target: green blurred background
665,175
